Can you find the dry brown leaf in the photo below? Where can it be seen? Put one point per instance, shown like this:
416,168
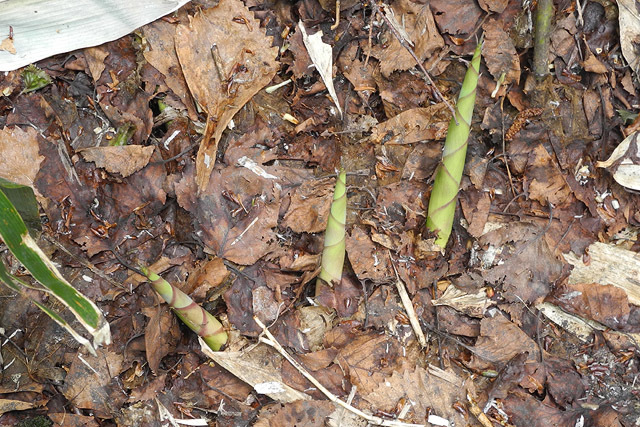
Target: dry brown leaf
470,304
496,6
301,413
125,160
8,405
309,208
500,54
209,275
414,125
259,367
20,160
428,394
420,28
606,304
226,58
162,55
368,260
499,341
95,61
161,334
7,45
93,383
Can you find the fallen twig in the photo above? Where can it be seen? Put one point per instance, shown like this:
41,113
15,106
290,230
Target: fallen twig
270,340
408,306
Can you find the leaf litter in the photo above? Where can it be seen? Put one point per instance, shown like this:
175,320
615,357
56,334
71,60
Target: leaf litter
530,316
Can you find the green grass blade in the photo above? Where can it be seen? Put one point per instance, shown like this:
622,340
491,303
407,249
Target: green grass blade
13,232
334,236
195,317
442,204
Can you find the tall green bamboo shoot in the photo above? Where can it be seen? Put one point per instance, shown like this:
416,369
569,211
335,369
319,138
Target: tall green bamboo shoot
334,236
195,317
442,204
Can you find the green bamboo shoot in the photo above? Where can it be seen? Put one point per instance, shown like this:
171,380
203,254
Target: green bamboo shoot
442,204
195,317
334,236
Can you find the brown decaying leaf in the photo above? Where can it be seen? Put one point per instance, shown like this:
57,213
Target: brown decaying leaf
495,6
527,269
92,383
500,54
20,160
162,55
367,358
121,97
414,125
72,420
125,160
427,394
421,28
7,45
606,304
209,275
368,260
499,341
248,63
301,413
458,17
161,334
309,208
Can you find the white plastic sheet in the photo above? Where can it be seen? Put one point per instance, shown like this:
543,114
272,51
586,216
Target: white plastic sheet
42,28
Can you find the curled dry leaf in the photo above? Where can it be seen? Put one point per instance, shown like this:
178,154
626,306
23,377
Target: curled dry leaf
624,162
414,125
470,304
226,58
125,160
629,18
322,57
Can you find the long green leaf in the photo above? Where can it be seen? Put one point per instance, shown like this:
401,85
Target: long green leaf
334,236
442,204
195,317
15,235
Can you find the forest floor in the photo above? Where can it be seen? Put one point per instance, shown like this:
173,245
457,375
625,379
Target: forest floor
221,182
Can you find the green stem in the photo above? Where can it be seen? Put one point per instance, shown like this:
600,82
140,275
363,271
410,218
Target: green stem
442,204
542,39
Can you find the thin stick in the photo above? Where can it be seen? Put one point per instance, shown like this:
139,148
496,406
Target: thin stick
270,340
408,306
404,44
334,26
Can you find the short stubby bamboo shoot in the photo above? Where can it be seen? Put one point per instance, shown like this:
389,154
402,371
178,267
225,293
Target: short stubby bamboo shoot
334,236
195,317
